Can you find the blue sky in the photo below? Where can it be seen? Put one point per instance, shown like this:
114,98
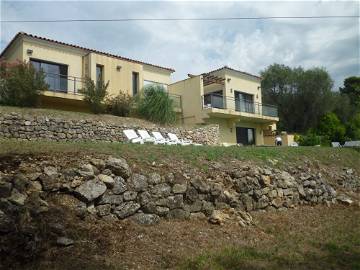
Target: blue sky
197,47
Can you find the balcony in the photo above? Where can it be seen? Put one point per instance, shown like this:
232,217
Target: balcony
238,105
64,84
176,102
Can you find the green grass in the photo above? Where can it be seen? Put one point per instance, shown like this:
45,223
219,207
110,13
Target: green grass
194,155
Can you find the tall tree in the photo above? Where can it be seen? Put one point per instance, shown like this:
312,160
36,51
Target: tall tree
302,96
352,90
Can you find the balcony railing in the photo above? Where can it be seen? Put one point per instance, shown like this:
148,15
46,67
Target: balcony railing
64,84
176,100
239,105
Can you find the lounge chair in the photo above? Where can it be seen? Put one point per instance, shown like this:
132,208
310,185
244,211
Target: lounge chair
294,144
335,144
352,144
132,136
148,138
175,139
158,136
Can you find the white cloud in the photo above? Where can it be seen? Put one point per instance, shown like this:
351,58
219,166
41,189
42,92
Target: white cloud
196,47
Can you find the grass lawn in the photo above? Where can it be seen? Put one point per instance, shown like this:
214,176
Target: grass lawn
194,155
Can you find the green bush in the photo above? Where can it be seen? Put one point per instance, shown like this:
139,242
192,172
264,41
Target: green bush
353,128
309,139
154,104
20,84
331,128
94,95
121,105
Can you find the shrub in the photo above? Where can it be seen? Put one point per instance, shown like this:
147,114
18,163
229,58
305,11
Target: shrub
121,105
20,85
154,104
94,95
353,128
309,139
331,128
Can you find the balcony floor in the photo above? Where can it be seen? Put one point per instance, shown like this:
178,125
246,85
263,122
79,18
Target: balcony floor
232,114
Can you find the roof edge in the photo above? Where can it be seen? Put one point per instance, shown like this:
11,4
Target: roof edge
83,48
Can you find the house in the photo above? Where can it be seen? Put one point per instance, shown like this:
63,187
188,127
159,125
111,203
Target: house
227,97
230,98
66,65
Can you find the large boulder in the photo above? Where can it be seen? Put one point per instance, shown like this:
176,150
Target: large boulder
179,214
161,190
90,190
138,182
5,188
126,209
146,219
118,166
108,180
6,224
200,184
119,186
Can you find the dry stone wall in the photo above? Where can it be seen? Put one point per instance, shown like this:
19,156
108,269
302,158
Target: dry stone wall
28,127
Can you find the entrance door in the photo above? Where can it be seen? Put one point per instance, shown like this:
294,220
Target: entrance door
245,136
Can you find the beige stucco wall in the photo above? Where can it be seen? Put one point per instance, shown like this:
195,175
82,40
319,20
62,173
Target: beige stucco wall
15,52
191,91
83,64
155,74
227,129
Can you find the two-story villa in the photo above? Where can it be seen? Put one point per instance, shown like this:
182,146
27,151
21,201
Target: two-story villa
66,65
225,96
230,98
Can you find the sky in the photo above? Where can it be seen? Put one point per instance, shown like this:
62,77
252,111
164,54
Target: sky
200,46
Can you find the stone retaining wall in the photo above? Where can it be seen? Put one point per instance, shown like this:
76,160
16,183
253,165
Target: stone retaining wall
28,127
107,188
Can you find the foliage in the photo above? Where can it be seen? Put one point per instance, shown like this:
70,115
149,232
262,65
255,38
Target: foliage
120,105
154,104
309,139
302,96
20,85
352,89
94,95
331,128
353,128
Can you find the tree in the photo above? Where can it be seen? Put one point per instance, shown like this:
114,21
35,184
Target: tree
154,104
20,84
353,128
302,96
331,128
94,94
352,90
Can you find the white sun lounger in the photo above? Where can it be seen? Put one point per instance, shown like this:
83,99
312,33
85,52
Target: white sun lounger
335,144
158,136
148,138
175,138
132,136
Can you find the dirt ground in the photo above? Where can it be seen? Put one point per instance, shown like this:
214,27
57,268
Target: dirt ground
126,245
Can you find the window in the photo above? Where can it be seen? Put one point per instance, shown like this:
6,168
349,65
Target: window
135,83
56,75
99,73
244,102
146,83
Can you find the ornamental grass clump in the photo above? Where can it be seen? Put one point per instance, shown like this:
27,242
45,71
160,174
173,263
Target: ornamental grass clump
155,104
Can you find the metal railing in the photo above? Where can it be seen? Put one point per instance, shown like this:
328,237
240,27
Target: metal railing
64,84
240,105
176,100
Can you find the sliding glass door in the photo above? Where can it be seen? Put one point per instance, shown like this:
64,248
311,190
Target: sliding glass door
55,74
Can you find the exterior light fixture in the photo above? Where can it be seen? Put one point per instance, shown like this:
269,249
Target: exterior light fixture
29,51
118,68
